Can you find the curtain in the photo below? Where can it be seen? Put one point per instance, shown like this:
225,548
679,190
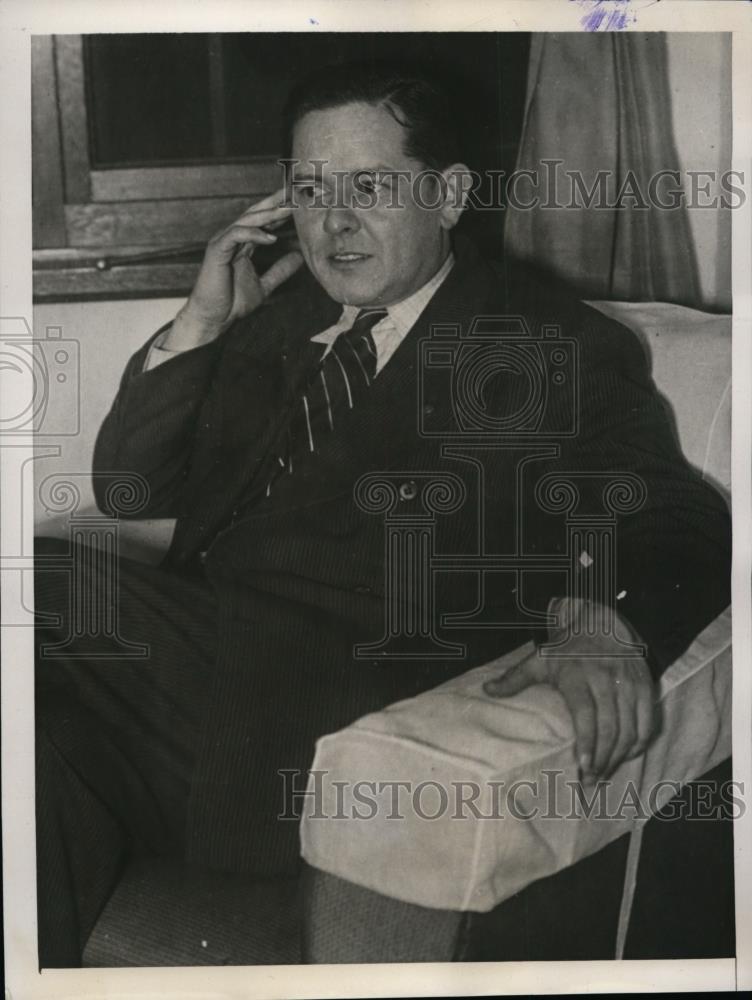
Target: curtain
600,104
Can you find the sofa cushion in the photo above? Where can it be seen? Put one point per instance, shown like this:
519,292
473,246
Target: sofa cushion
166,913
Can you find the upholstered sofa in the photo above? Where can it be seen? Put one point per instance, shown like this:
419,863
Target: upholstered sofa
431,873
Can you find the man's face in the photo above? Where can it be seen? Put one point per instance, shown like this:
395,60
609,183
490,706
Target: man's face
361,250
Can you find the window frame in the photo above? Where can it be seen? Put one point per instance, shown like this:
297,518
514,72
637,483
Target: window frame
85,218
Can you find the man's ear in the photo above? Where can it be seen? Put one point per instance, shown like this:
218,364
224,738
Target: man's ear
457,183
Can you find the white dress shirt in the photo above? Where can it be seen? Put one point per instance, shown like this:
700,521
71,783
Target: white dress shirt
387,334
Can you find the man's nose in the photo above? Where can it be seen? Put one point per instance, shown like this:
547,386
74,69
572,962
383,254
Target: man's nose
340,220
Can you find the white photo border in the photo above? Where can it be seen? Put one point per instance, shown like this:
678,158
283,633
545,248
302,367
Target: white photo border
18,21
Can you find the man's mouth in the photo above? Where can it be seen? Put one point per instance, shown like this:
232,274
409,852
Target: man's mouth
343,259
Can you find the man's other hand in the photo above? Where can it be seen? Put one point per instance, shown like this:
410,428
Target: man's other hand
611,699
228,287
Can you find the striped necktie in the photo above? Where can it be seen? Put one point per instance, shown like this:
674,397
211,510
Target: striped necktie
338,383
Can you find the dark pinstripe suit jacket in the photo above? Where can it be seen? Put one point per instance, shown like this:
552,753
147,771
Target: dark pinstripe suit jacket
300,576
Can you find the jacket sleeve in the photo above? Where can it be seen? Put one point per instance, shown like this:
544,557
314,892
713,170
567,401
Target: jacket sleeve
151,427
671,562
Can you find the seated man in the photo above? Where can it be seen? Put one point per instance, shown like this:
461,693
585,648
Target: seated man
251,417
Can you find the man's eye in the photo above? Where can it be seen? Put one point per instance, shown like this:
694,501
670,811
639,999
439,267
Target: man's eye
368,183
307,192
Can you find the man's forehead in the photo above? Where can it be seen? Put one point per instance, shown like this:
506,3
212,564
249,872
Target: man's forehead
349,137
311,170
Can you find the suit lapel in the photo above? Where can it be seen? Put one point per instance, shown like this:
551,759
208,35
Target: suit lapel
383,431
264,360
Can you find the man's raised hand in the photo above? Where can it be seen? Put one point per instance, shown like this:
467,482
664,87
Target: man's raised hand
228,286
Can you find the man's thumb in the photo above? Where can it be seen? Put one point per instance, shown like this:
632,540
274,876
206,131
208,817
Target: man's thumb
280,271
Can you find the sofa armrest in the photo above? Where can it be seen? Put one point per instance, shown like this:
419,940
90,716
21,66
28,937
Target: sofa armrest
456,801
144,540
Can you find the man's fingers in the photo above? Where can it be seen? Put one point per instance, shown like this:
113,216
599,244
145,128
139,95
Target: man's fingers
607,721
645,717
247,290
262,214
273,200
275,224
531,670
225,245
626,708
579,699
280,271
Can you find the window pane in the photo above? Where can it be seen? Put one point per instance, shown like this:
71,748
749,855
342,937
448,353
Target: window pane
148,99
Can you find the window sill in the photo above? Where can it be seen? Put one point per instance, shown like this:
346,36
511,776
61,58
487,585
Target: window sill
77,275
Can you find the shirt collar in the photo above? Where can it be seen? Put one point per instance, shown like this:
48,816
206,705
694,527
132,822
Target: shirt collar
403,314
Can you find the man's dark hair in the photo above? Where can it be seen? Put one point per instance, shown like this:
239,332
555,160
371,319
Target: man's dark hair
416,99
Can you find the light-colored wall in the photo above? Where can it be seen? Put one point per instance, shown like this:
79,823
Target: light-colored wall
103,336
699,69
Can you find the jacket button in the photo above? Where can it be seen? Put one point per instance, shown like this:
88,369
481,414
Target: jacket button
428,409
362,590
202,556
408,490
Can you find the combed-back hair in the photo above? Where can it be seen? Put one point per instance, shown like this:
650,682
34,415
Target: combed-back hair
419,101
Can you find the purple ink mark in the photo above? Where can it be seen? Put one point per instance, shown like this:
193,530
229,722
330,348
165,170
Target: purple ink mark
607,15
312,20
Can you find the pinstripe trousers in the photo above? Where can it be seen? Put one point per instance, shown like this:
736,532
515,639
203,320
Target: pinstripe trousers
116,735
